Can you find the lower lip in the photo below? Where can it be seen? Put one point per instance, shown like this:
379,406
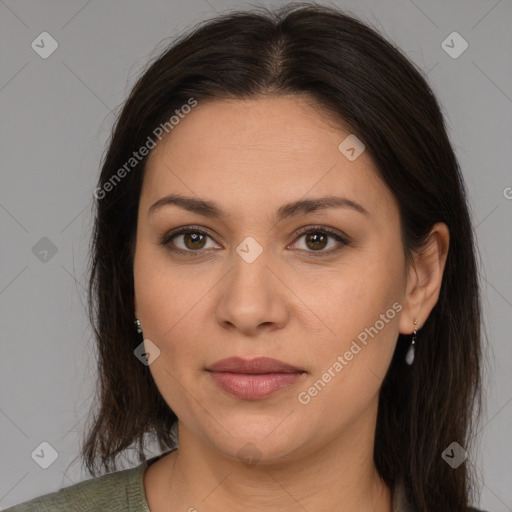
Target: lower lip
250,386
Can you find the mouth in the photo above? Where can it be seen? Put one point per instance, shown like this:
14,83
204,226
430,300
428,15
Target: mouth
253,379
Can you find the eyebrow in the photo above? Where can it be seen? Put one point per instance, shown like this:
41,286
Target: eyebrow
300,207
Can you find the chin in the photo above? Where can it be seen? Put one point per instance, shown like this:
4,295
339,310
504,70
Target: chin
259,440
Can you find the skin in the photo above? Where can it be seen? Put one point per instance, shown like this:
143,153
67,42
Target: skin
251,157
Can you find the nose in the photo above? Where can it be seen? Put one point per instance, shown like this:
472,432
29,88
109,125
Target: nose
252,297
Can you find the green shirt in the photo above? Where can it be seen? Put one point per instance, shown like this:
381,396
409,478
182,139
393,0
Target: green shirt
118,491
121,491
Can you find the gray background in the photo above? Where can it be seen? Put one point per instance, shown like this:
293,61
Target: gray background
56,114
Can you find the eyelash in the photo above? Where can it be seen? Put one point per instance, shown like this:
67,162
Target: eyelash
167,237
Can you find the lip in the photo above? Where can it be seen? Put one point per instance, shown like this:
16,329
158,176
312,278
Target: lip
253,379
258,365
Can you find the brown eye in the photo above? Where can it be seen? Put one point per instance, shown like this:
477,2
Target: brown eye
316,239
186,241
194,240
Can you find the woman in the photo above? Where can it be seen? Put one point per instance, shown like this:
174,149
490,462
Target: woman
283,279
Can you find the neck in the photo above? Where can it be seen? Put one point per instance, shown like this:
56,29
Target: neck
340,475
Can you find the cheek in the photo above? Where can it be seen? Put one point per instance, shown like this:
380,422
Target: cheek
345,300
174,319
168,294
359,307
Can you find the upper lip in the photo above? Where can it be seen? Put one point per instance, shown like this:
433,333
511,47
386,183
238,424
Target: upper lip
257,365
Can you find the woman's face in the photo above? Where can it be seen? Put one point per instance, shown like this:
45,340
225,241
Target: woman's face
264,280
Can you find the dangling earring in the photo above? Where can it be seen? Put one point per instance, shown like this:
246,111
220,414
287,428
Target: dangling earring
140,336
409,357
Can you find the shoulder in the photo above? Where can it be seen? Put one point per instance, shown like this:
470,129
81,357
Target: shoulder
118,491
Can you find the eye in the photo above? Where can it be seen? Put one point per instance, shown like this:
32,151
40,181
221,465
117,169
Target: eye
191,241
316,239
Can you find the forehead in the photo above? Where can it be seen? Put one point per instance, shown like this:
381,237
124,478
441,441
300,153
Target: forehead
262,152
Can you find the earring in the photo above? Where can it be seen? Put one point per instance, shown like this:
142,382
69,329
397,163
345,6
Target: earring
138,326
409,357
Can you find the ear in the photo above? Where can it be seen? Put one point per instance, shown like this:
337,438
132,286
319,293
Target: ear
424,279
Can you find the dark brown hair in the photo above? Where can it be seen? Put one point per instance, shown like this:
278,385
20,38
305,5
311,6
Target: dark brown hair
369,85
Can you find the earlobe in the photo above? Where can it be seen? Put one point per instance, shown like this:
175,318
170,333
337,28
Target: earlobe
425,278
